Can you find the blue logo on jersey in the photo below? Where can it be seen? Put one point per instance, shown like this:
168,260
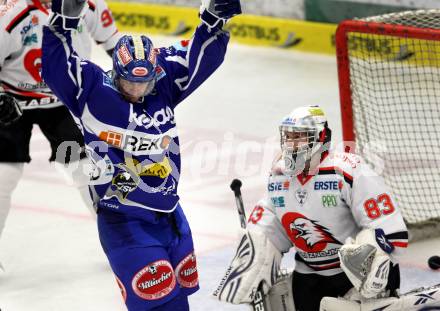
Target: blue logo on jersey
278,186
383,242
28,40
107,80
326,185
278,201
32,23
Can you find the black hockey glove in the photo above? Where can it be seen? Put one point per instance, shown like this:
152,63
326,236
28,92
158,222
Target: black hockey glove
215,13
10,111
67,13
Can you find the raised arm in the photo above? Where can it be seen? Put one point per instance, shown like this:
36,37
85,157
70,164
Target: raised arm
62,68
191,62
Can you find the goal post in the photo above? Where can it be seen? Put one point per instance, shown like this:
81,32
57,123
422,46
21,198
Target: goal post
389,83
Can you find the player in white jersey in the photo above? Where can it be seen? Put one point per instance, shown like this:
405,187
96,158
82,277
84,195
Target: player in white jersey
21,24
334,209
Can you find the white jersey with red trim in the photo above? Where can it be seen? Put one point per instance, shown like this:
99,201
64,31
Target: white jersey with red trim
317,213
21,23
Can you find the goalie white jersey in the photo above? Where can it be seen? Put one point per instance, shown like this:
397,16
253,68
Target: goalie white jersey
21,23
317,213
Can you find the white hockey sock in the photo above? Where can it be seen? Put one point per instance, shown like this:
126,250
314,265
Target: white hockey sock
13,171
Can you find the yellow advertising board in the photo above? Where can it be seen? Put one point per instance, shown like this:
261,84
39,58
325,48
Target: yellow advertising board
246,29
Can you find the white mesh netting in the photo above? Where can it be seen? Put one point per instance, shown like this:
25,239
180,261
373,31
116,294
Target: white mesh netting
395,85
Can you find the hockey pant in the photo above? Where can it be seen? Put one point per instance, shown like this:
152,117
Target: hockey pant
153,261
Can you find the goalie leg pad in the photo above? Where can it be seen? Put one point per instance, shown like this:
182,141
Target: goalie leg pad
425,298
256,262
280,296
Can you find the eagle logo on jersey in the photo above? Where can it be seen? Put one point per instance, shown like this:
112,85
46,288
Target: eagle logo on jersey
308,235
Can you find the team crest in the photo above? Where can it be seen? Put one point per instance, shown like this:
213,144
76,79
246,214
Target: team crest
307,234
301,196
124,183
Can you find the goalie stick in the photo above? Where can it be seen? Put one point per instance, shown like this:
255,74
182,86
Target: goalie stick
258,302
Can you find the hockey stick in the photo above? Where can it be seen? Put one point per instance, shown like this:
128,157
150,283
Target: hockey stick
258,302
235,186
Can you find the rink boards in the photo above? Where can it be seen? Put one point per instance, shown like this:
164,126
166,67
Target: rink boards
246,29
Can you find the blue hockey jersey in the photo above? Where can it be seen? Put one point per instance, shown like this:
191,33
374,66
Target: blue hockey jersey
134,147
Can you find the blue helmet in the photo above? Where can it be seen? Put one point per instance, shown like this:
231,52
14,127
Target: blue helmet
134,59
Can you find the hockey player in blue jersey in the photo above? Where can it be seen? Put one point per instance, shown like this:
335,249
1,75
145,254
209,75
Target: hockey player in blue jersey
127,117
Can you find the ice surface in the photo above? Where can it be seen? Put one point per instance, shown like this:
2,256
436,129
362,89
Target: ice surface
50,248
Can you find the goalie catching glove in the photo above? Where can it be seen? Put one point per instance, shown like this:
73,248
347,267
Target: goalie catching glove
366,262
256,262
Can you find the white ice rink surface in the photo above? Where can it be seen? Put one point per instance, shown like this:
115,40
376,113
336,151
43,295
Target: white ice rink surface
50,248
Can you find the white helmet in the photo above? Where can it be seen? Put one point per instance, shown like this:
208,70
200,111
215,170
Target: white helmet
304,136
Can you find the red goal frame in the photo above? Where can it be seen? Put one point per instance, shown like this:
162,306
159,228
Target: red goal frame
359,26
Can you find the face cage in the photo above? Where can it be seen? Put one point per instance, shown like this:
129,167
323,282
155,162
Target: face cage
148,90
302,154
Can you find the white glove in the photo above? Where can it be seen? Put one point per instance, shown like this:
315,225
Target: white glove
256,261
366,264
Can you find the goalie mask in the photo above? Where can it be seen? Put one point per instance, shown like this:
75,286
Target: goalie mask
304,133
134,67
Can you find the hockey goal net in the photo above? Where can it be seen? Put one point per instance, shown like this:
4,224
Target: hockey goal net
389,81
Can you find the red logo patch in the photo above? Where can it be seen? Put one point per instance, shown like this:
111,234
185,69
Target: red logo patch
165,142
122,288
307,234
112,138
186,272
124,55
139,71
154,281
34,20
340,185
159,70
256,214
